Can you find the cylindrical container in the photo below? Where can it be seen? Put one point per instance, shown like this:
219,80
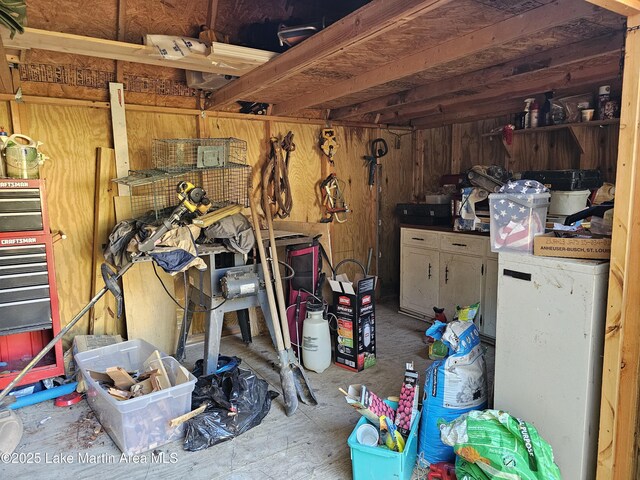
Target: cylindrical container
604,95
568,203
22,160
534,114
587,114
367,435
316,339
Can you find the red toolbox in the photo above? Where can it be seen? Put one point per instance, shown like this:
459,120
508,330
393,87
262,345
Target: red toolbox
29,316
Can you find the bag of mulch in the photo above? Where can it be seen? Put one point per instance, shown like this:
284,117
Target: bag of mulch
453,386
493,444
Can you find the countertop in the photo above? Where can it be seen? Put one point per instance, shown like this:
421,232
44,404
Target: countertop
442,228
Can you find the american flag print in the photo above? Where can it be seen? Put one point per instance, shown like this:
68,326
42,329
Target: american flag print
514,214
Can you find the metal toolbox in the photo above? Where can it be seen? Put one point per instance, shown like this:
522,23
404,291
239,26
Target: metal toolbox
21,206
24,307
566,180
424,213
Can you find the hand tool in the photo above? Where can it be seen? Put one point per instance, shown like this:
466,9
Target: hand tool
303,389
328,143
286,375
192,199
333,201
10,424
379,149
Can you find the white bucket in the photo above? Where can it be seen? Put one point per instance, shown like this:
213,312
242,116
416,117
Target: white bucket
568,203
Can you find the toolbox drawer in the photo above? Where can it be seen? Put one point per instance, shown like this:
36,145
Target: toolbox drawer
23,268
20,294
413,237
23,221
18,280
20,200
465,244
22,259
25,315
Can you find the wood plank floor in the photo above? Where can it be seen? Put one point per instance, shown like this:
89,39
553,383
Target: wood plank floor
311,444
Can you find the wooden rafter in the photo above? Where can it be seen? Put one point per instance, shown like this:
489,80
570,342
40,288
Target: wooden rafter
617,441
534,21
561,78
240,59
465,110
557,57
622,7
468,113
372,20
6,82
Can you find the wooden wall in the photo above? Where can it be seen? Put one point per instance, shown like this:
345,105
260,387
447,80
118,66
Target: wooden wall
456,148
71,135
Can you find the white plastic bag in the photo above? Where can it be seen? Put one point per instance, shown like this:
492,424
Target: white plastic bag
175,48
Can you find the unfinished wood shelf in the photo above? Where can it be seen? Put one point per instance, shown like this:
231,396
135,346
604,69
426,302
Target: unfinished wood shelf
595,123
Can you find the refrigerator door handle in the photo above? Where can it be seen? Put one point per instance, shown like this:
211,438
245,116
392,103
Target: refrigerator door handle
515,274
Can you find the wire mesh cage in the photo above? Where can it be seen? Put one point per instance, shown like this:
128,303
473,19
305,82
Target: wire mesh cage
178,154
154,195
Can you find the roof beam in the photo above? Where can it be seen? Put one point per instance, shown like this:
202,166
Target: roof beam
557,57
536,20
560,78
239,59
464,105
622,7
370,21
468,113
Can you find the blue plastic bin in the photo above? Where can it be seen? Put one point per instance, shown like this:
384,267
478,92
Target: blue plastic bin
377,463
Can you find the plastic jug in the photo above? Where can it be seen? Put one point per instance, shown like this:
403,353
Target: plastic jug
22,159
316,339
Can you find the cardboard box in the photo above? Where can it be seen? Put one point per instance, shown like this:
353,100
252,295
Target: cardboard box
572,245
354,307
368,404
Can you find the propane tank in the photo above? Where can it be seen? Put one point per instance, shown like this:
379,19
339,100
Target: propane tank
316,339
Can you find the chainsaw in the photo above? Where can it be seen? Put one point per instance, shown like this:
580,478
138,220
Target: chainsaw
192,200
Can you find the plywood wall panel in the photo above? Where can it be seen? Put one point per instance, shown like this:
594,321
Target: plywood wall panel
437,157
70,136
143,127
397,174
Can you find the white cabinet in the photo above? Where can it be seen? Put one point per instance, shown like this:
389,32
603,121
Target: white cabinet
419,288
489,307
446,269
460,281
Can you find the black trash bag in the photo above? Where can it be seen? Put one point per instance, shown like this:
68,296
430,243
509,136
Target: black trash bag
239,400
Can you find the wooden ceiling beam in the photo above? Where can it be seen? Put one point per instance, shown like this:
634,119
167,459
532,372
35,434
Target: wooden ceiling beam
468,113
466,106
245,59
574,76
536,20
370,21
556,57
621,7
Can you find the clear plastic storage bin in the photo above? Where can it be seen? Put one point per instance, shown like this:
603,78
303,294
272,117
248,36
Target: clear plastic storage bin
138,424
516,219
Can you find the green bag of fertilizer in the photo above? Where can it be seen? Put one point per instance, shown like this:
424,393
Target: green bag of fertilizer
492,444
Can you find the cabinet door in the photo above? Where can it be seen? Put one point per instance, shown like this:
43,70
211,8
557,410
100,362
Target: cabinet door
460,281
488,322
418,280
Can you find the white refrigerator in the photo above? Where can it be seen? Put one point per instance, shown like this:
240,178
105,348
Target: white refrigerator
549,344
